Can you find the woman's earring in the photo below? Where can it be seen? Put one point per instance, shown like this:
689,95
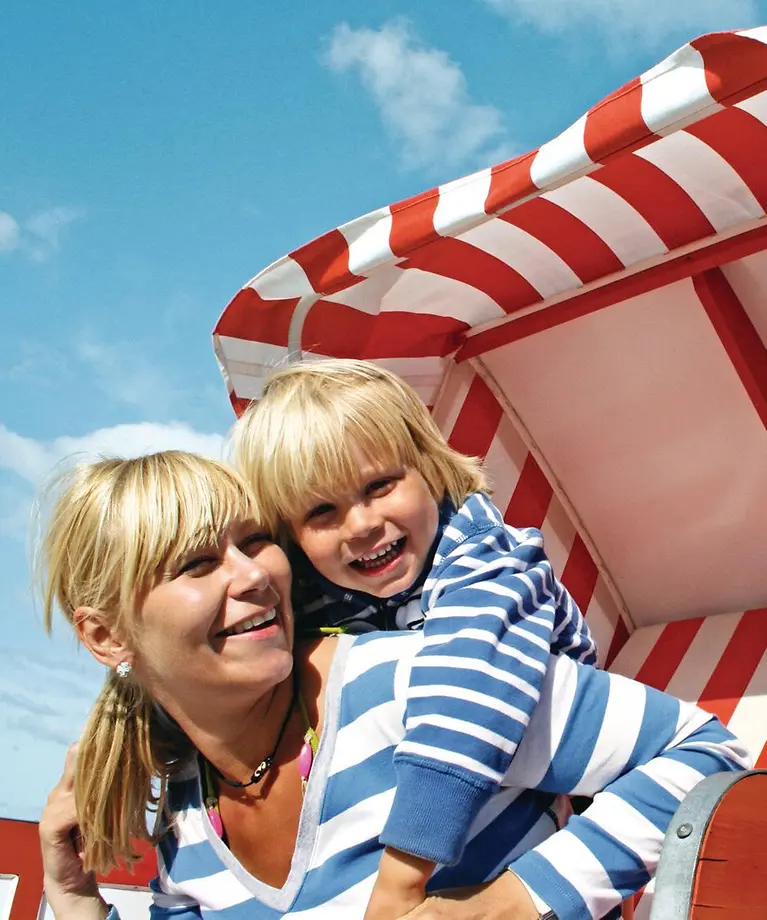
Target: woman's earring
123,669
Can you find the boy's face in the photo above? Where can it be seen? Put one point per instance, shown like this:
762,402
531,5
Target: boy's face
374,536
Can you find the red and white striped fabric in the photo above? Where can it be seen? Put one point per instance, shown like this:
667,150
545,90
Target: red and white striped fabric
591,318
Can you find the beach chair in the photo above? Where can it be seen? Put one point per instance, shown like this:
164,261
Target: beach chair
591,319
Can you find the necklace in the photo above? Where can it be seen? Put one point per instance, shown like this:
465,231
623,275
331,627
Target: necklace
305,762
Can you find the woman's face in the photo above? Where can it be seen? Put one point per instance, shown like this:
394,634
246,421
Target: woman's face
219,620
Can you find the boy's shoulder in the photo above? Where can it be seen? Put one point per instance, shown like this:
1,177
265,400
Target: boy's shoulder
479,516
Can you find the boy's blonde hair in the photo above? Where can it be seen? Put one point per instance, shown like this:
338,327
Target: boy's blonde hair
301,441
114,527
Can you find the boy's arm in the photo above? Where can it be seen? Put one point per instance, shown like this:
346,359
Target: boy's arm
638,752
493,604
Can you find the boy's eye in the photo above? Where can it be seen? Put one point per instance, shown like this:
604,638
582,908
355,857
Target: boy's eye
320,510
380,485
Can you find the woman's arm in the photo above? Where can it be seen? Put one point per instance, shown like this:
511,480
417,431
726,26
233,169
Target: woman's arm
638,752
71,892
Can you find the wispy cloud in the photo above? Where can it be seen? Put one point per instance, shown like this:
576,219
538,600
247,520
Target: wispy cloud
39,236
646,21
422,96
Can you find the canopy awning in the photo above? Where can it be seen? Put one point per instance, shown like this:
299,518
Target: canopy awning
592,317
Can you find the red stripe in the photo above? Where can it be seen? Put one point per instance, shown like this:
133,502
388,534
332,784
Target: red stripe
741,139
580,574
736,332
666,207
477,421
736,667
413,223
620,638
254,319
736,66
335,329
615,125
650,279
667,653
579,246
239,403
532,495
510,182
761,760
326,263
463,262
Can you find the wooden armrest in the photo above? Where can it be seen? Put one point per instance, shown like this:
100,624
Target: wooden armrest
714,860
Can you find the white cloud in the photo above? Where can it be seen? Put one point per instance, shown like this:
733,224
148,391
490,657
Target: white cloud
33,460
38,237
647,21
422,96
10,232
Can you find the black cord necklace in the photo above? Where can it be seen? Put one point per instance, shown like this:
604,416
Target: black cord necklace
262,769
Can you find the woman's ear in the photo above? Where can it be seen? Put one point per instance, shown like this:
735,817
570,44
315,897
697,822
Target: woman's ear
101,640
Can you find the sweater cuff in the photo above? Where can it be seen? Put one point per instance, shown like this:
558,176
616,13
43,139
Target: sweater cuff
433,809
539,876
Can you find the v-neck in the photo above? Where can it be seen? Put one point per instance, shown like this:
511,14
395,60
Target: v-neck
281,899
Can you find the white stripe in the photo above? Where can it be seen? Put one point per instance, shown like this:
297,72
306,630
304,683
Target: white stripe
482,635
217,891
282,280
611,217
344,906
561,158
758,34
749,721
482,667
675,91
702,656
453,396
707,178
572,859
189,827
546,271
504,461
375,730
614,744
461,203
444,612
755,106
452,757
368,240
636,651
369,654
628,825
547,725
466,728
558,535
470,696
675,777
353,826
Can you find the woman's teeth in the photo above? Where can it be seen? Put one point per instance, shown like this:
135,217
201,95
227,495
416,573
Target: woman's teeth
381,557
252,623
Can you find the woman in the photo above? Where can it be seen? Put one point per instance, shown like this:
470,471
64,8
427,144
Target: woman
170,580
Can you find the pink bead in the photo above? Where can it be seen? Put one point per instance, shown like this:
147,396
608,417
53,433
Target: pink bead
305,759
215,821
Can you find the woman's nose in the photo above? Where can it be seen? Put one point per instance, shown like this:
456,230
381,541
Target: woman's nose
248,574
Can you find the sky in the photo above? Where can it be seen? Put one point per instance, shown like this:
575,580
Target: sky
156,156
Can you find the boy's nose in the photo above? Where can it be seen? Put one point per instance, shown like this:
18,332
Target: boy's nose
362,520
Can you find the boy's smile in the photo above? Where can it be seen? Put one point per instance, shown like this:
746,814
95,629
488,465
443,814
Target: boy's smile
373,536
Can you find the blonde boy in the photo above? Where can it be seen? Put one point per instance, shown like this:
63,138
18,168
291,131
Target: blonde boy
393,529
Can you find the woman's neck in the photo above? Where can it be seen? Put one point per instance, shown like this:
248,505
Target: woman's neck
237,734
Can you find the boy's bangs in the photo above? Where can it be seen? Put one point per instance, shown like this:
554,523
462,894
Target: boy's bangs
325,457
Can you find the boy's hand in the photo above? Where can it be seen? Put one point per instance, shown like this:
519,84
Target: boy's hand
400,886
504,898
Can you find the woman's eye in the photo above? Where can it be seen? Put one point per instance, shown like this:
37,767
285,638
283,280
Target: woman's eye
197,565
254,542
320,510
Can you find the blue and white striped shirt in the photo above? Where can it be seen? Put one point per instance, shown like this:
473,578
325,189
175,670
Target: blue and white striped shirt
638,750
492,611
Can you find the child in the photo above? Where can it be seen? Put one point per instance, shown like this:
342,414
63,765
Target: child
394,530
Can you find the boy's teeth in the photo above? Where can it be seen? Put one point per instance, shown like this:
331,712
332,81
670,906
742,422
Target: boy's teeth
381,552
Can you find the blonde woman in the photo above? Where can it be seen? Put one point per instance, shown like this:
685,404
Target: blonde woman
169,577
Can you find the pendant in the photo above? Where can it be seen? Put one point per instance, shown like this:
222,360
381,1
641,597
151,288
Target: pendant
215,821
305,760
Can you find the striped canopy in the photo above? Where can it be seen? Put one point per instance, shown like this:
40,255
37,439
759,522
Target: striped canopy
591,317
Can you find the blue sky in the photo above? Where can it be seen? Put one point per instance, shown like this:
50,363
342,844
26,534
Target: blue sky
155,156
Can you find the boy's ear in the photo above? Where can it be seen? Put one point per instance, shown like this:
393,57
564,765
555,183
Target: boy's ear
100,638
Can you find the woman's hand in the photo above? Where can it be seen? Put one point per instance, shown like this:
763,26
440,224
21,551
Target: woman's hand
505,898
72,893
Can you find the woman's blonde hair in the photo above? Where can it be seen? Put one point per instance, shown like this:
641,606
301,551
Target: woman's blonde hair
301,441
114,527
